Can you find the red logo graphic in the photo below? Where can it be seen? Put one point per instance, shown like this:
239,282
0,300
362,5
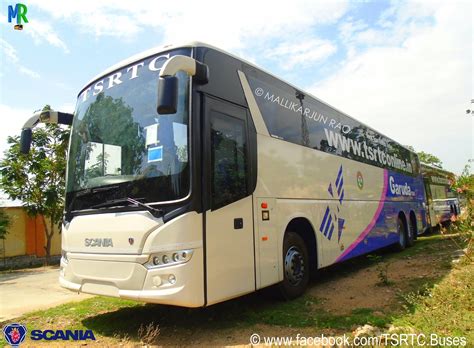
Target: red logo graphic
15,335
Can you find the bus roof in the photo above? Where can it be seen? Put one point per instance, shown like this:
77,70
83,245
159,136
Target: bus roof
195,44
427,169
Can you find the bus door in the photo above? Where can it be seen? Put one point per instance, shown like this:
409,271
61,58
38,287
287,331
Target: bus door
229,231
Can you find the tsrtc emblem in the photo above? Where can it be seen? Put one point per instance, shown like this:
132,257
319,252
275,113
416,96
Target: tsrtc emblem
14,334
360,181
130,241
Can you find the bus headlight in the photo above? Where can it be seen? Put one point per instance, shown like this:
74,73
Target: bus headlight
169,258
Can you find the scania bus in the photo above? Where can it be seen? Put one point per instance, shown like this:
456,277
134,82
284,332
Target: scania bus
442,201
195,177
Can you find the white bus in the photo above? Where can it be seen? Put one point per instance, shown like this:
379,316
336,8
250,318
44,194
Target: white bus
195,177
442,201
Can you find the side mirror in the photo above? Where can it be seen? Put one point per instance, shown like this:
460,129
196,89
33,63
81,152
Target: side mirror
167,95
48,116
25,140
168,82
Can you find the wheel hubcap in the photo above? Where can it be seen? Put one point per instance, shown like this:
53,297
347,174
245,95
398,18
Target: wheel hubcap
294,266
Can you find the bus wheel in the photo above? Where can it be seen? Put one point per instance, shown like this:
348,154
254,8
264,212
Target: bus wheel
402,236
295,267
411,235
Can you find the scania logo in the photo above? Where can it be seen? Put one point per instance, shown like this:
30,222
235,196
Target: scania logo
98,242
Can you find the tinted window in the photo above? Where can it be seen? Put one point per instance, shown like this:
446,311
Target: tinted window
228,159
293,116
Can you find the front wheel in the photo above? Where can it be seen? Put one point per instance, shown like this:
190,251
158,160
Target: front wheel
295,267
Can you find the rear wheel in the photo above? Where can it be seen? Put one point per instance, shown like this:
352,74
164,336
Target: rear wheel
411,232
402,236
295,267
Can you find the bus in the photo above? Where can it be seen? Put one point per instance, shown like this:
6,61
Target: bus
442,201
195,177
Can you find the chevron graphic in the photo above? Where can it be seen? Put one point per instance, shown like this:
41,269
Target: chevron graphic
330,219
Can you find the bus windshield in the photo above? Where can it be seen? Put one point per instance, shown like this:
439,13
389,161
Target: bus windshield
121,147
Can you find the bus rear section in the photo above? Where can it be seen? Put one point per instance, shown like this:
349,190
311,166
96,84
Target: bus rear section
442,202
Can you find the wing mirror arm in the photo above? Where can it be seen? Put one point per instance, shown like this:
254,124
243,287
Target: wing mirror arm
49,116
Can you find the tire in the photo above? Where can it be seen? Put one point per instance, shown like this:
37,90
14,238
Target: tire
402,236
411,235
295,267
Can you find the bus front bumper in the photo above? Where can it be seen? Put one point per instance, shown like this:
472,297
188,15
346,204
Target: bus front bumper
180,285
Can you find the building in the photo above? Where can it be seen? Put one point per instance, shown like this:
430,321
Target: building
25,241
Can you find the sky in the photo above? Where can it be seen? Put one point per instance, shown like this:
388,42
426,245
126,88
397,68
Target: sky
402,67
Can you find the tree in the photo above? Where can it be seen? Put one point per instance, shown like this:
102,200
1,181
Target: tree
38,178
464,183
5,222
427,158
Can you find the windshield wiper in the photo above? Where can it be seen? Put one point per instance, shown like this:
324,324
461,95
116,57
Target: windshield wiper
124,201
95,190
85,192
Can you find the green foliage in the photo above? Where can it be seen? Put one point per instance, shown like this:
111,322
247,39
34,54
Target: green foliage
382,269
429,159
5,223
464,186
38,178
444,309
464,183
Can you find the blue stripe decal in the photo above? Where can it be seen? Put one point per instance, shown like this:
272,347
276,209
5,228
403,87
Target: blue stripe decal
339,176
340,186
326,229
321,228
330,232
342,197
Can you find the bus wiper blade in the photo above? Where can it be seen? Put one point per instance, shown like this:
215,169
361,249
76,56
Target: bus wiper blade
95,190
128,200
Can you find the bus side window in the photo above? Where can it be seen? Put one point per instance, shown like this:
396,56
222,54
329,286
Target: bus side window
228,160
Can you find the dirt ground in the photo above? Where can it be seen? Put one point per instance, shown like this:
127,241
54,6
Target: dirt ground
361,288
341,289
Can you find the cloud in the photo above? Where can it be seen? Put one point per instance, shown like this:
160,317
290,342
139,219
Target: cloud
414,91
28,72
13,120
10,52
302,53
42,31
244,24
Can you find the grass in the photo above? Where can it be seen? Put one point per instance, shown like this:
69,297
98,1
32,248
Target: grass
446,308
443,304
